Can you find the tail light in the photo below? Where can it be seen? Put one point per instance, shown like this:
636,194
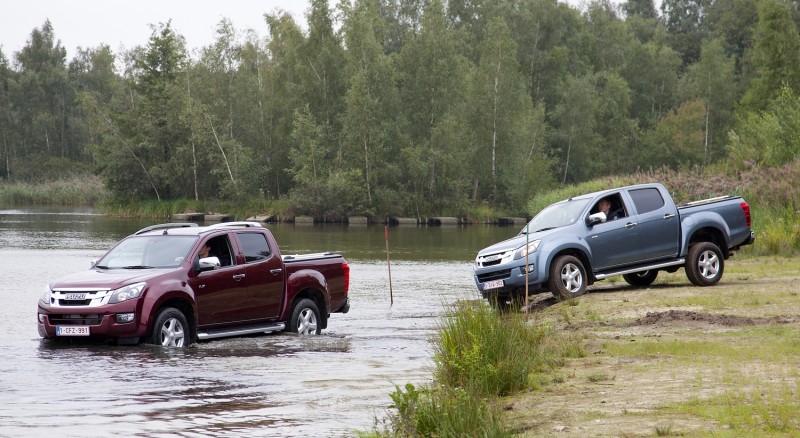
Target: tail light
746,209
346,270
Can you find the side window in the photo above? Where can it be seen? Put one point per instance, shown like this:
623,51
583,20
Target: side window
220,248
255,246
647,200
612,206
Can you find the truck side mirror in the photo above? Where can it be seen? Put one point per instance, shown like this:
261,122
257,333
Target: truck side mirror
208,264
595,219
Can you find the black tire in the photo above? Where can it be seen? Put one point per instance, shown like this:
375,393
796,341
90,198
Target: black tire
705,264
567,277
641,279
506,303
170,329
498,302
305,319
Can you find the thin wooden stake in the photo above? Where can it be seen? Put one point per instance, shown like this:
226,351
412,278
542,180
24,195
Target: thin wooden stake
527,238
388,263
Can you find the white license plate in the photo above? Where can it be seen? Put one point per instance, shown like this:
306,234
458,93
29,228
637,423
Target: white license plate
492,284
72,330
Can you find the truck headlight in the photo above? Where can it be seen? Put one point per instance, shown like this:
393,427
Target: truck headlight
126,293
46,294
530,248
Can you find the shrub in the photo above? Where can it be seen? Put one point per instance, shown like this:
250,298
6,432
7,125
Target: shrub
442,412
75,190
485,353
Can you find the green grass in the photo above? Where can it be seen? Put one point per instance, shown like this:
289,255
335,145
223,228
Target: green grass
76,190
769,411
486,353
720,351
440,411
479,356
164,209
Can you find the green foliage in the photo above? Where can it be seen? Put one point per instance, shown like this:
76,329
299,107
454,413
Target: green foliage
490,355
436,106
309,158
537,203
775,54
442,412
684,20
333,199
712,79
778,232
768,138
770,411
479,355
153,209
74,190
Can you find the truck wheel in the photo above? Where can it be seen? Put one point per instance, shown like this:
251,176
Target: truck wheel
498,302
170,329
567,277
503,303
305,318
644,278
705,264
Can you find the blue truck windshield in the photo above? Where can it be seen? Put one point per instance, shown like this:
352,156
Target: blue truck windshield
556,216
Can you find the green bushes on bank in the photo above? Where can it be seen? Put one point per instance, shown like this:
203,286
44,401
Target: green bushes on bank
73,190
165,209
479,356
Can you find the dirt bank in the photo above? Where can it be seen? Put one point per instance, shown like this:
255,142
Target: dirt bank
660,360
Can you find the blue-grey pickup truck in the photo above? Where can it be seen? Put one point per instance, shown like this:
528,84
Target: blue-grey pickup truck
632,231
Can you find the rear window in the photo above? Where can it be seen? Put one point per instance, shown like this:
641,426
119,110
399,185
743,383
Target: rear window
647,200
255,246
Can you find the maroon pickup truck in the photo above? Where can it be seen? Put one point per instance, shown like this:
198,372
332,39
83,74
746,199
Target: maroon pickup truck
173,284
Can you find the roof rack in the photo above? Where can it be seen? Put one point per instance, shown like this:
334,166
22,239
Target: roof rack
166,226
245,224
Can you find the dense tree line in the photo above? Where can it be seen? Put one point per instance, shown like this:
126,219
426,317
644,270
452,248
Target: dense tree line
411,106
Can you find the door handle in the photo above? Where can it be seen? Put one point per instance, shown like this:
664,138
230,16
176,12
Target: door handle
275,271
630,224
668,216
238,277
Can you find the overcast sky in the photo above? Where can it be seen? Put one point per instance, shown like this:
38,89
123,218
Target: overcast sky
125,24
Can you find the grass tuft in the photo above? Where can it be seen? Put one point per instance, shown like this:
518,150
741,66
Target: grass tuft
75,190
479,356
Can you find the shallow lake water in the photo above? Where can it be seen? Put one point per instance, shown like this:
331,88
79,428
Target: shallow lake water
266,385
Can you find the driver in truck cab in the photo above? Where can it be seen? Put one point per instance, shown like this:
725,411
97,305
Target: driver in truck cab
604,205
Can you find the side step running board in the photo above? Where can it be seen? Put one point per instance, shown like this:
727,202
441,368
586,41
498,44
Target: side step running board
239,331
641,268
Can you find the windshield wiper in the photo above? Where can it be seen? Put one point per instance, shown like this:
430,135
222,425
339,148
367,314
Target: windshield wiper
545,229
138,267
101,266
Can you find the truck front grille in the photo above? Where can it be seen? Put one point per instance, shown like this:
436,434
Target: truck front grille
74,302
76,319
496,275
488,260
79,297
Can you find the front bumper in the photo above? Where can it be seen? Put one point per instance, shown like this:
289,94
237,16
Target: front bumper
512,276
102,323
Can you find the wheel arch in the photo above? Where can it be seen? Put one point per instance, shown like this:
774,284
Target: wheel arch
318,297
181,304
709,234
578,253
